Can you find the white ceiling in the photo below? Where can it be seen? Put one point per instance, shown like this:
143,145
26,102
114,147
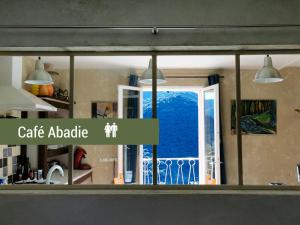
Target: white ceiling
171,62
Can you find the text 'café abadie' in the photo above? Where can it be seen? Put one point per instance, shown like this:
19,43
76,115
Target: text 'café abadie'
53,132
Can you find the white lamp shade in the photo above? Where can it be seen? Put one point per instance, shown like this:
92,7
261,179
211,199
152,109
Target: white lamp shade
39,76
268,74
147,76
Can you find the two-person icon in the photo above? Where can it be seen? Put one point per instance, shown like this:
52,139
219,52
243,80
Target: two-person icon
111,130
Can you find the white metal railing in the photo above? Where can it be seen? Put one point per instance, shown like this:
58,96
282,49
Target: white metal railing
172,170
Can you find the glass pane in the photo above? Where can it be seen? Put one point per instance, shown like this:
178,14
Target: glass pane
38,164
98,95
181,154
269,119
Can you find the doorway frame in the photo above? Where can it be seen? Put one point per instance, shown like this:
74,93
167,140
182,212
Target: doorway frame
201,127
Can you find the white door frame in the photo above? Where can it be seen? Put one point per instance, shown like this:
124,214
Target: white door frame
174,88
121,89
201,126
202,170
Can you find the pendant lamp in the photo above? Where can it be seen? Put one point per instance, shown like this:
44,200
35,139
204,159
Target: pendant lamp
39,76
268,74
147,76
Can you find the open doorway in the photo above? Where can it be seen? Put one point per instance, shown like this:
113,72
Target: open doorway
188,152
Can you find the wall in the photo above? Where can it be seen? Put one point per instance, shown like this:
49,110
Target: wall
236,13
150,207
105,12
98,85
28,66
274,157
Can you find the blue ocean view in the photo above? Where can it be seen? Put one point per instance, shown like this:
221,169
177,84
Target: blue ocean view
178,120
178,131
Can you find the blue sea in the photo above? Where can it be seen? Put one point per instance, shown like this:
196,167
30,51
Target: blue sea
178,122
178,129
178,132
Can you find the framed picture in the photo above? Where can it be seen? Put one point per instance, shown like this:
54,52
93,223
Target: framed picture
104,109
257,117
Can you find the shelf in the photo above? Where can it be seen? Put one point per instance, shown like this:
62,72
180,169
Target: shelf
58,103
58,151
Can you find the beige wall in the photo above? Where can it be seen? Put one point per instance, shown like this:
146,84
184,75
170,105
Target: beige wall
98,85
274,157
28,65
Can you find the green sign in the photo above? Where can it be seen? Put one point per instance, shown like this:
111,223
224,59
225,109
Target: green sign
78,131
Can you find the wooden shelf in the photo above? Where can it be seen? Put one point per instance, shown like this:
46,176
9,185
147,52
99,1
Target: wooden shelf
58,151
83,176
58,103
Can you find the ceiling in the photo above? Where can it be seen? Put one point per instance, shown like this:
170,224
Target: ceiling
171,62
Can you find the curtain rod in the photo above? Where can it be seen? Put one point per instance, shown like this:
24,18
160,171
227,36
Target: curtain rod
183,27
201,77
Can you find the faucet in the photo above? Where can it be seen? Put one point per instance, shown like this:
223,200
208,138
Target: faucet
51,170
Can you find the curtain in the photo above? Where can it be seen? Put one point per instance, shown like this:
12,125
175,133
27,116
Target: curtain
132,112
215,79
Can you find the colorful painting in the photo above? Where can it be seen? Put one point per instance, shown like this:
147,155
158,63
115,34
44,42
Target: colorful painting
257,117
104,110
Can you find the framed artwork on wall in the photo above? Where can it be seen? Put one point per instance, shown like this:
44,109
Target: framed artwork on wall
257,117
104,110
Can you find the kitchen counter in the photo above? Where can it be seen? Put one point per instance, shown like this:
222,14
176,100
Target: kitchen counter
77,175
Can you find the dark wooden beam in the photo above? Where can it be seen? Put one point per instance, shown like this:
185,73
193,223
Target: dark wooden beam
71,115
42,150
154,116
238,120
23,148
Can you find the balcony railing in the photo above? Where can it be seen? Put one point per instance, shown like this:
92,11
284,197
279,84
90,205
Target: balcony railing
172,171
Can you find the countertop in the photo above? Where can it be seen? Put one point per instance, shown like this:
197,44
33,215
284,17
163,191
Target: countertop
77,174
147,190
